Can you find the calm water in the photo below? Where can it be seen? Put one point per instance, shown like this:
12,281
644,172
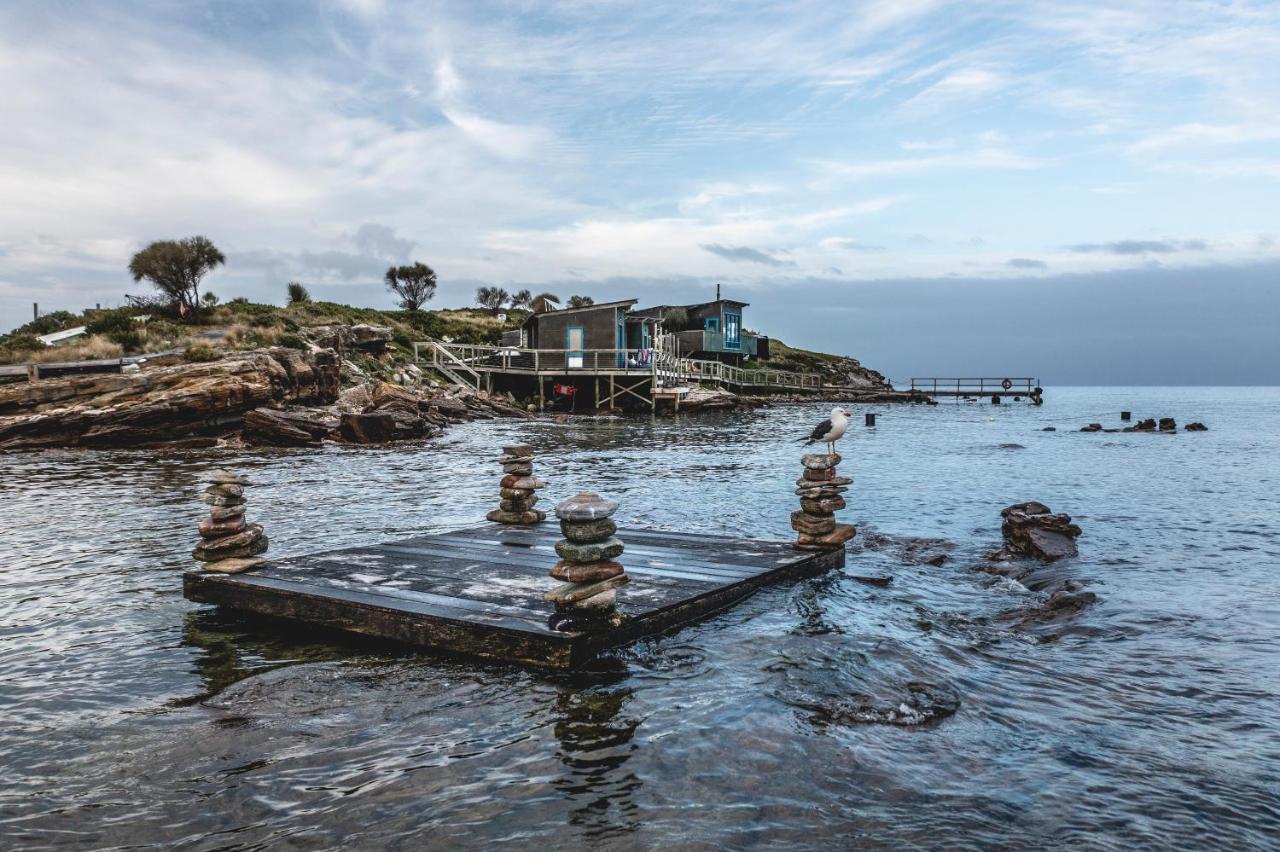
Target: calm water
132,717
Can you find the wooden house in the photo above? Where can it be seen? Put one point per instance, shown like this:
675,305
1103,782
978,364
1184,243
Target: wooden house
588,334
709,330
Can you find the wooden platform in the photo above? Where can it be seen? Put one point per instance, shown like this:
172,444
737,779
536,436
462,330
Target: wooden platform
478,591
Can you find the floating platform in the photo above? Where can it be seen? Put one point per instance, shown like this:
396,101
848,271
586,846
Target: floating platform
477,592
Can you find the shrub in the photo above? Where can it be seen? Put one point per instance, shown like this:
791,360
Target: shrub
239,300
293,341
109,322
200,353
298,294
128,338
48,324
22,343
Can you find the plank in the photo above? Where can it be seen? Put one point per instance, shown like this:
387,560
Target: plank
477,592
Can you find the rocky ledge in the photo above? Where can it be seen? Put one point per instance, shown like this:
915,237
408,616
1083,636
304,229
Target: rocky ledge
275,396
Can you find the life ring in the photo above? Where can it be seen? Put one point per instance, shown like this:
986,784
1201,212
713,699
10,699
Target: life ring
1006,384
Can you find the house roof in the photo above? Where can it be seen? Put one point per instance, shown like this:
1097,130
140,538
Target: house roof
657,310
620,303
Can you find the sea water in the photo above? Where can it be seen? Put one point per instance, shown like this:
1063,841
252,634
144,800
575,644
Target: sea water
132,716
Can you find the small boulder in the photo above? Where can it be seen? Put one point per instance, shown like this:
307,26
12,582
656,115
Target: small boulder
1032,529
1168,424
1196,427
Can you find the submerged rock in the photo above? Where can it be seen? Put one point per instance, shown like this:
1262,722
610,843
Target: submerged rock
922,704
1196,427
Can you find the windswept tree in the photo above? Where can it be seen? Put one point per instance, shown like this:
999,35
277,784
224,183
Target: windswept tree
415,285
544,302
298,294
522,299
492,298
580,301
176,267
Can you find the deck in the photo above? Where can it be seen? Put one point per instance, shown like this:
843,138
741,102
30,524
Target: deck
477,592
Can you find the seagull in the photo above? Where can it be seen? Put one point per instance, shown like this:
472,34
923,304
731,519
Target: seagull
830,430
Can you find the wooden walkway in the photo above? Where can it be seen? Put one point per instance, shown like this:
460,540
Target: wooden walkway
478,592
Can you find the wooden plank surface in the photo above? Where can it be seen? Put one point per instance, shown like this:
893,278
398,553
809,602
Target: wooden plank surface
478,591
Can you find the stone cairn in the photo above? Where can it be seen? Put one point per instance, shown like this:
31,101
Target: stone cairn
587,567
518,487
228,544
820,489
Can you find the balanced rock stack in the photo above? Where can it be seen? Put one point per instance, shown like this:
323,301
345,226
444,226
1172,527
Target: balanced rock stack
587,560
820,489
228,544
518,487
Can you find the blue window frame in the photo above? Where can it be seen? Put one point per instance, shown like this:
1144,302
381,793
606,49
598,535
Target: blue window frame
622,336
732,330
713,324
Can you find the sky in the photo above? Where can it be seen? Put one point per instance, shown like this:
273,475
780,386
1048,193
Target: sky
1089,193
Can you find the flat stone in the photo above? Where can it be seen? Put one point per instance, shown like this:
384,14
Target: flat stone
254,549
585,506
234,566
598,551
825,491
226,513
812,524
517,469
824,475
517,450
588,532
574,572
515,493
605,600
830,541
531,516
570,592
219,500
528,483
244,538
518,505
823,505
226,490
210,528
224,477
820,461
833,482
516,460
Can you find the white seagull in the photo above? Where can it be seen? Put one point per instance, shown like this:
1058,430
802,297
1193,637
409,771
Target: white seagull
830,430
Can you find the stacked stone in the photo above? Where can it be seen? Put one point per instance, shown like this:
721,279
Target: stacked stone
820,491
228,544
518,487
587,553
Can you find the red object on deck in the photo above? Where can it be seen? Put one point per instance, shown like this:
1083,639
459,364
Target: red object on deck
564,390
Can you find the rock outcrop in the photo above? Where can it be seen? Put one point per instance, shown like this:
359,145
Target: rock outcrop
1033,529
164,404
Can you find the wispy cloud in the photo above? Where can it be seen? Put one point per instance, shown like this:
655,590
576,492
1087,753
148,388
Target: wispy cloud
745,253
1026,263
1131,247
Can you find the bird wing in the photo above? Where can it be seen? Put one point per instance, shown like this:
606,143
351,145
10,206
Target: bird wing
820,431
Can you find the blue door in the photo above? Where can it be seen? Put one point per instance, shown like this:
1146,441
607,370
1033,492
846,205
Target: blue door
622,338
732,331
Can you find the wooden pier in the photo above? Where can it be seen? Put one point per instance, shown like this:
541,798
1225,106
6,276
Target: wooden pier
982,387
477,592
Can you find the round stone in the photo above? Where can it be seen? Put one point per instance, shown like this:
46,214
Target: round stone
585,506
597,551
587,532
224,477
812,524
209,528
530,516
605,600
529,483
219,500
226,513
820,461
517,450
823,505
573,572
226,490
515,493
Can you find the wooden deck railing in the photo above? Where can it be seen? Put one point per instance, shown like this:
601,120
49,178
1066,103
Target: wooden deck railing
977,386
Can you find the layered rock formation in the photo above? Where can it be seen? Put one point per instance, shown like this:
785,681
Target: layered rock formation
820,490
1033,529
163,404
518,488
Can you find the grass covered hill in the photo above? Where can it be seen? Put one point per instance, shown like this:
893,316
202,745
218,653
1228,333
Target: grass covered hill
235,326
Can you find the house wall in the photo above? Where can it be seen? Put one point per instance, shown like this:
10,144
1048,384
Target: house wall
599,327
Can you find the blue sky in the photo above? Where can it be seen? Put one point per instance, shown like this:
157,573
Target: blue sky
815,158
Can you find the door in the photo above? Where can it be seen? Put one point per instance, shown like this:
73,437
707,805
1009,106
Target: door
574,338
732,331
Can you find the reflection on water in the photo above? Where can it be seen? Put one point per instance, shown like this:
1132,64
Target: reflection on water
890,704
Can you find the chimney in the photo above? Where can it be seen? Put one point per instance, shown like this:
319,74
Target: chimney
717,291
35,311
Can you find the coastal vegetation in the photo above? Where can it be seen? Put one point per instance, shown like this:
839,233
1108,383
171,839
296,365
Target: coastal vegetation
176,268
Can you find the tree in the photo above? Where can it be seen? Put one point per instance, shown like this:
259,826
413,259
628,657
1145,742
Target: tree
522,299
175,268
544,302
580,301
209,299
492,298
298,294
415,285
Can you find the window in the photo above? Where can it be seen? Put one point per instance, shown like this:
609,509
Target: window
713,325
